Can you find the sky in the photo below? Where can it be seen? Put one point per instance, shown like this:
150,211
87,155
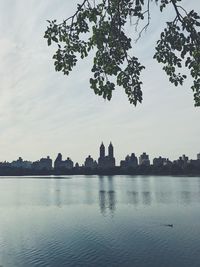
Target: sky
43,112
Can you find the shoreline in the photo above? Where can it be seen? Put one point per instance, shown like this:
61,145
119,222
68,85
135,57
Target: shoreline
70,176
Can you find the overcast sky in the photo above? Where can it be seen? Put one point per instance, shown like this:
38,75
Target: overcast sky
43,112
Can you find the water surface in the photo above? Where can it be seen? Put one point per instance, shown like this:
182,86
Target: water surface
100,221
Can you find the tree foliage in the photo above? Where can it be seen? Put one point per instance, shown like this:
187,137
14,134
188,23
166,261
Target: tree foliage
101,26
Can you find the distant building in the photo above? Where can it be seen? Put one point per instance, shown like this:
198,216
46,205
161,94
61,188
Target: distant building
196,162
63,164
144,160
5,164
129,162
182,161
168,162
185,158
159,162
90,163
77,165
20,163
68,163
58,161
43,164
104,161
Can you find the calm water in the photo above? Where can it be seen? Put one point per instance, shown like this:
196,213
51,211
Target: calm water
100,221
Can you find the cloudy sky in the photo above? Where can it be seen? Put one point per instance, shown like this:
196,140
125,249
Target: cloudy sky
43,112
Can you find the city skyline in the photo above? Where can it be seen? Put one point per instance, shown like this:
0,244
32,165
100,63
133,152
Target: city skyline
106,155
44,111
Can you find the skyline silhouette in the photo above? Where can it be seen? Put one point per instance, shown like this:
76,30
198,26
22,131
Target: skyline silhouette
103,161
104,164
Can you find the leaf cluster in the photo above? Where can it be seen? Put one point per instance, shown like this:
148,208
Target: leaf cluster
101,27
179,46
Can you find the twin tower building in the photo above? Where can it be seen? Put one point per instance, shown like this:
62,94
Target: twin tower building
106,161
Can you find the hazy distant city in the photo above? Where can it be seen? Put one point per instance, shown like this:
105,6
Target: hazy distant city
105,164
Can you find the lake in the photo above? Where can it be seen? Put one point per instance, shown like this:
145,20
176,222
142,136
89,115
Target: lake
139,221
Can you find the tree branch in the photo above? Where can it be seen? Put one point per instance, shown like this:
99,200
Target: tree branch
179,16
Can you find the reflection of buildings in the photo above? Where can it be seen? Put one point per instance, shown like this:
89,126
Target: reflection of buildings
58,200
133,197
102,201
102,195
111,195
187,193
104,161
146,190
107,198
63,164
185,197
146,196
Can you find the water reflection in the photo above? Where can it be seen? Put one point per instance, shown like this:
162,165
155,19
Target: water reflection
186,197
107,195
133,197
89,192
146,198
105,192
162,197
84,233
185,191
58,201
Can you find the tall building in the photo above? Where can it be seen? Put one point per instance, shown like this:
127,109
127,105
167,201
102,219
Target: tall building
185,158
110,151
144,160
20,163
63,164
68,163
43,164
159,162
106,162
90,163
198,156
102,150
182,161
58,161
129,162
